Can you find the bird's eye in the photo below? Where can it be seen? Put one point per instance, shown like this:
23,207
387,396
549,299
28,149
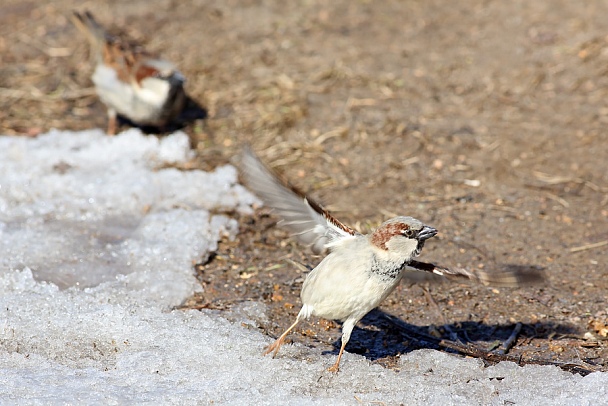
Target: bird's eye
409,233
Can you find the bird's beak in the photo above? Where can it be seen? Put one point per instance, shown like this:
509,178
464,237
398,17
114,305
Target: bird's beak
426,233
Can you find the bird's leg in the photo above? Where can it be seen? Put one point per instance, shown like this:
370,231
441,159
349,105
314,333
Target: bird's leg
279,342
336,367
347,328
112,122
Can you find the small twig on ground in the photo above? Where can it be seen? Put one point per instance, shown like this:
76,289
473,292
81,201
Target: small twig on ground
494,357
489,356
217,304
589,246
504,348
198,306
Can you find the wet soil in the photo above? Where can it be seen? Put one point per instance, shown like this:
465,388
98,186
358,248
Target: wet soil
486,120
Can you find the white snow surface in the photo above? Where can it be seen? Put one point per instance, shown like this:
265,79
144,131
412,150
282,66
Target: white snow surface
97,242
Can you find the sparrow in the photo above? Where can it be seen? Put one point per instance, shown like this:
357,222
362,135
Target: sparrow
359,270
131,82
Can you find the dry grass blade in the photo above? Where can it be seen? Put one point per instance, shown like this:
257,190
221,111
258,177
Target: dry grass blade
553,179
36,95
556,180
589,246
338,132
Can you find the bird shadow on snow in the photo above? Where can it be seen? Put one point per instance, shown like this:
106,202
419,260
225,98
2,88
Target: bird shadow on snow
385,335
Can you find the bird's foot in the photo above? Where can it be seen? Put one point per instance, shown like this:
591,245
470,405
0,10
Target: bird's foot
274,347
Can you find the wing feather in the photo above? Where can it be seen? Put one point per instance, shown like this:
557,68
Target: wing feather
501,278
308,222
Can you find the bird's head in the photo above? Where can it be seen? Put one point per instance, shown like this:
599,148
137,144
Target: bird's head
401,238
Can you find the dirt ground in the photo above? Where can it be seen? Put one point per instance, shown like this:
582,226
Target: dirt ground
484,119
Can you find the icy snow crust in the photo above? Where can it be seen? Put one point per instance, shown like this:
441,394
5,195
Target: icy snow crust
97,243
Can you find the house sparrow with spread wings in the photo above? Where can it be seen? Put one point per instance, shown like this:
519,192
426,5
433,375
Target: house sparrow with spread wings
359,271
131,82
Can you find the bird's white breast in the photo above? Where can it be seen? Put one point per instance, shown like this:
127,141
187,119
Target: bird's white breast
342,285
142,104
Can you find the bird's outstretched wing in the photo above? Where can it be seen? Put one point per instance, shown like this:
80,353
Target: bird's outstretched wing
310,223
501,278
87,24
112,50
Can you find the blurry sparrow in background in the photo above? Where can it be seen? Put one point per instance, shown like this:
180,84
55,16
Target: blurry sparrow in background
131,82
